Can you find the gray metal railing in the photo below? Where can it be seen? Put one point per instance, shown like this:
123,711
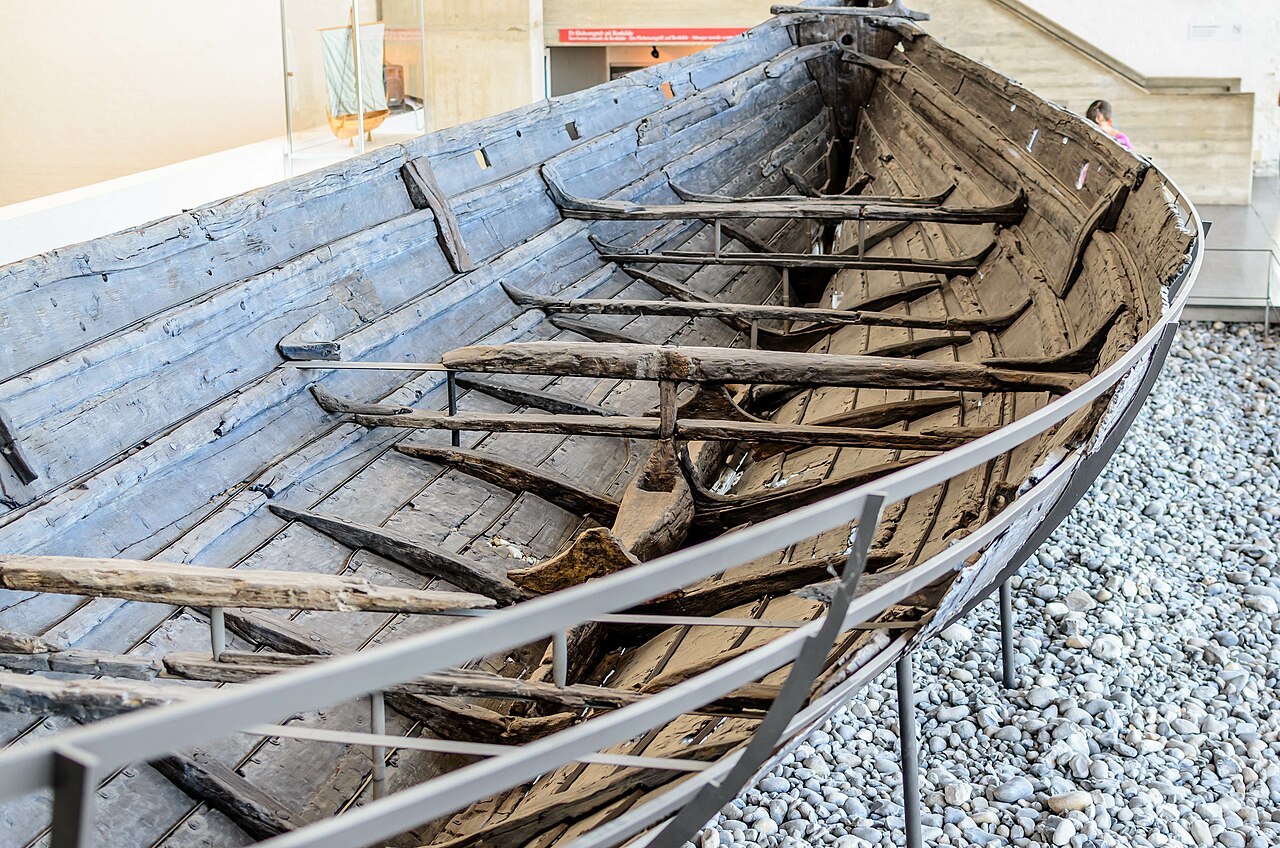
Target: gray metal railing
1267,300
73,763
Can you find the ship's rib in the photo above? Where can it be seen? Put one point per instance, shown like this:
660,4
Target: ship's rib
518,477
427,560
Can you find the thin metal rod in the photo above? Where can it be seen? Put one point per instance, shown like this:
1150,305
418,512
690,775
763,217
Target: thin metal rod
716,230
862,237
217,633
560,658
910,750
755,335
1006,632
451,380
378,726
330,365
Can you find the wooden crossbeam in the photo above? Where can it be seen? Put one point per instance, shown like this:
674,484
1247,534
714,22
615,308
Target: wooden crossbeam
747,312
838,208
962,265
729,365
419,557
694,430
192,585
852,200
83,700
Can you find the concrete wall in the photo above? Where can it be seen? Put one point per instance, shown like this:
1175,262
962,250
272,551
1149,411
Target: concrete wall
483,57
91,91
1225,38
1202,140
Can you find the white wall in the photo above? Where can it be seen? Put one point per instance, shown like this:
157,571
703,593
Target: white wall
1153,37
90,90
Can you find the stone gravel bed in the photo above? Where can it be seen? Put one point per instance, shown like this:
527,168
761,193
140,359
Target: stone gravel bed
1147,705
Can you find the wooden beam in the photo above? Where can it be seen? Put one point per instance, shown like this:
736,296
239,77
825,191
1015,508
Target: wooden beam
419,557
834,208
755,312
193,585
884,414
850,200
693,430
205,779
425,193
831,207
83,700
536,398
518,477
1102,218
9,449
728,365
895,9
962,265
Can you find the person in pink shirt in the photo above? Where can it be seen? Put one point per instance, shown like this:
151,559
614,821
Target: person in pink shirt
1099,112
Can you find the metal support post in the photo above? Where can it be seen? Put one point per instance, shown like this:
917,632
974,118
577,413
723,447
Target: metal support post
378,726
755,335
451,383
217,633
1006,631
715,228
560,658
862,238
910,750
75,783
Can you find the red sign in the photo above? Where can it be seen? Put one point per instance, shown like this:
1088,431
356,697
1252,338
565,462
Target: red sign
623,35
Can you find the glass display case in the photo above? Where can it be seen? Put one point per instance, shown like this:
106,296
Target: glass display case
355,77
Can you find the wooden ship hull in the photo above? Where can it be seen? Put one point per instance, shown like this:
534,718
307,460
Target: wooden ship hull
611,443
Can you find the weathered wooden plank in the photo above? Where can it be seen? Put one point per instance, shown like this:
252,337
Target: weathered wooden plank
169,583
722,365
82,700
208,781
314,339
519,477
428,560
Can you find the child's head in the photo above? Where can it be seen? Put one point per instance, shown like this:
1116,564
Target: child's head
1099,112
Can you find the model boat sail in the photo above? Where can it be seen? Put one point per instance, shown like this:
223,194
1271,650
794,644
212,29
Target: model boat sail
587,456
354,98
